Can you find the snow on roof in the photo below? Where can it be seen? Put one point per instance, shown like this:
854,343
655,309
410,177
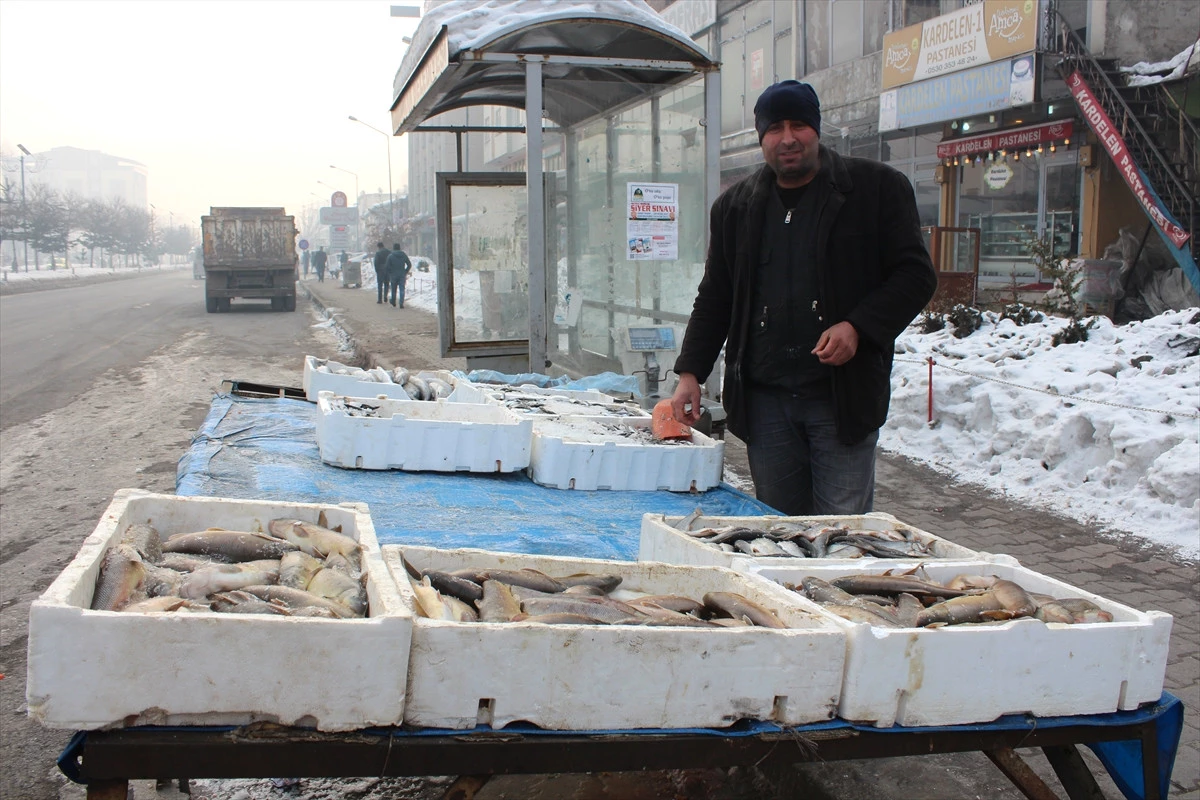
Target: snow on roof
472,24
1144,73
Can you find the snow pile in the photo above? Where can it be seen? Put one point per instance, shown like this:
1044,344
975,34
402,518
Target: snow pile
1104,430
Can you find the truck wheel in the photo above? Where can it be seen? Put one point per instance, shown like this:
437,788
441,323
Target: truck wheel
277,304
210,303
289,302
223,304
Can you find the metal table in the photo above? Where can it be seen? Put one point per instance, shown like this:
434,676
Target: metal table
1137,747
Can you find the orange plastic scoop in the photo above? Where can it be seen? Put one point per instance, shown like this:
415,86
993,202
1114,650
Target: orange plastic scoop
663,424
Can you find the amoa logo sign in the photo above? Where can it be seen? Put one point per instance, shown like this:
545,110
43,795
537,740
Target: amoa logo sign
1006,23
900,55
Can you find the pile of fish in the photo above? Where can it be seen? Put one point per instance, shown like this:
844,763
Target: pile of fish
374,375
297,569
418,387
814,540
530,404
529,595
907,601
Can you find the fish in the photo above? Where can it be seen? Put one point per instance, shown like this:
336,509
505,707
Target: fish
465,590
341,564
822,591
608,612
685,523
234,545
144,538
298,599
529,578
606,583
460,611
657,615
239,602
185,562
730,622
671,602
339,587
867,616
964,608
1053,611
314,539
760,547
297,568
121,575
561,619
1085,611
430,602
968,583
908,608
161,581
498,603
223,577
162,604
1013,598
735,605
892,584
584,589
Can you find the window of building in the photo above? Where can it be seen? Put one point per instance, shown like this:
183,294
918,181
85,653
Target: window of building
816,36
875,25
845,30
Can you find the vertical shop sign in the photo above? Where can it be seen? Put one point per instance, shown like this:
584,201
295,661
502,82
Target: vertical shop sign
756,69
652,222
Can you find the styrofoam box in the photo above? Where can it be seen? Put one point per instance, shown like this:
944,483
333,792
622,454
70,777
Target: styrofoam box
661,540
96,669
563,402
424,435
568,453
601,677
965,674
315,381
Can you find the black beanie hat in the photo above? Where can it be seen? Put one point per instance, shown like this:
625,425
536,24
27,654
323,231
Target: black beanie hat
790,100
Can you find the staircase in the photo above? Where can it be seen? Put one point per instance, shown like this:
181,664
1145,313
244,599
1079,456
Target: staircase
1163,141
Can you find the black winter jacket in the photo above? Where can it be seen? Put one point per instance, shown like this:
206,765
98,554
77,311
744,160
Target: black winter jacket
873,270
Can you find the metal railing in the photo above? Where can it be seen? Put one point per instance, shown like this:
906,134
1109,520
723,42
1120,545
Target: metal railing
1171,180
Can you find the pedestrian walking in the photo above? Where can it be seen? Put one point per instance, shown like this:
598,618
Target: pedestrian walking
815,265
304,257
398,267
342,260
319,260
381,274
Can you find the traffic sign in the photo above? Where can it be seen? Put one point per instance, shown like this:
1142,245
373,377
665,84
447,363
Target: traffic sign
303,244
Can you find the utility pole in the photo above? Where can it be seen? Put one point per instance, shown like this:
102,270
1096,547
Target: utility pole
24,208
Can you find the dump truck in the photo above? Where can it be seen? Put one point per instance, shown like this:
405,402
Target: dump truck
250,253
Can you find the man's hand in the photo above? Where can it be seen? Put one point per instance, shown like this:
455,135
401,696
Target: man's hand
686,393
837,345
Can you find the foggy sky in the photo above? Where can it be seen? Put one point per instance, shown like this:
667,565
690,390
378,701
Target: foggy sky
225,103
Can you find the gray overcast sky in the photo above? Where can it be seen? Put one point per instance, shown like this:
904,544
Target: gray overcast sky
226,102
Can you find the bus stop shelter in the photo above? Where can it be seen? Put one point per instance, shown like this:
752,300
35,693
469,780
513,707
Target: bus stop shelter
589,258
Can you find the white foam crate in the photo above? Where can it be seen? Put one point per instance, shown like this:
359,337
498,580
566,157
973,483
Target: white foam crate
573,453
562,402
97,669
316,381
607,677
662,540
959,675
423,435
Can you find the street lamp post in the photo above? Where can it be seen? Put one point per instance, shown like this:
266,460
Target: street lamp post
24,209
388,139
357,212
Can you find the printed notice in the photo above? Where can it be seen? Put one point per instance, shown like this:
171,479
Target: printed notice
652,222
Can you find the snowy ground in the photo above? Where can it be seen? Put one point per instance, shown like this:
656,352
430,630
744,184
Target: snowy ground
1103,431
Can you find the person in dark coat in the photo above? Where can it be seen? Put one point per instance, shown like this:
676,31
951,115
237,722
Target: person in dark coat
398,267
815,265
319,260
304,262
381,279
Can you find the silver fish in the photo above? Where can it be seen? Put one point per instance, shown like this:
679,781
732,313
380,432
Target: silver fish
235,545
737,606
121,575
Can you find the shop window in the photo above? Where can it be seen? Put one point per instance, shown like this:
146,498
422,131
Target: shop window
915,11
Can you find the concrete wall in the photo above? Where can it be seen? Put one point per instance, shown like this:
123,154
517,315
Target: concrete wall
1145,30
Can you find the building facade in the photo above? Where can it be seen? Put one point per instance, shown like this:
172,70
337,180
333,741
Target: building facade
91,174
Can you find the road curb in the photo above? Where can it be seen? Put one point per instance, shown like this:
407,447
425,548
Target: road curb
368,358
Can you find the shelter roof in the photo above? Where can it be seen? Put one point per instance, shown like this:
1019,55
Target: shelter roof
445,69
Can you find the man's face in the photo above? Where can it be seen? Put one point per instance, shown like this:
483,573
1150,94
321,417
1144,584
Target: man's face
790,148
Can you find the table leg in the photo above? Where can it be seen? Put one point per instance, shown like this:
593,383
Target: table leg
1074,774
108,790
465,787
1017,771
1150,761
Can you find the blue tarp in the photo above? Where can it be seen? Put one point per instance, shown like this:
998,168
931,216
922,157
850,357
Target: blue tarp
266,449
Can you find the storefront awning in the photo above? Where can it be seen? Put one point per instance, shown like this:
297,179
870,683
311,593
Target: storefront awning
468,53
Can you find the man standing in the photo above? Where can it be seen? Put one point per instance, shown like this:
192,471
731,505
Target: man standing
304,262
815,265
381,279
319,259
398,266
